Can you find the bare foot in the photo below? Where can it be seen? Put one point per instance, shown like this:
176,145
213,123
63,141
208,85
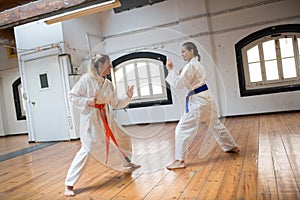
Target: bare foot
177,164
233,150
69,191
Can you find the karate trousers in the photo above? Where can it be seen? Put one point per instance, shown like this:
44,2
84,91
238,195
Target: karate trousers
77,167
201,109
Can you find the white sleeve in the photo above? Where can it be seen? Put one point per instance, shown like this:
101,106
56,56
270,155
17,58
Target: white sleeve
78,96
117,102
179,81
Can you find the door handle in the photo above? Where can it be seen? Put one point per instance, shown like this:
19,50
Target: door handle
33,103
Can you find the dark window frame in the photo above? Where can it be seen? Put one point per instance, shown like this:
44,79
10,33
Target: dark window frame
270,31
148,55
17,102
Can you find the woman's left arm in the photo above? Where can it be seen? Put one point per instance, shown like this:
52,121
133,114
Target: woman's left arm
117,102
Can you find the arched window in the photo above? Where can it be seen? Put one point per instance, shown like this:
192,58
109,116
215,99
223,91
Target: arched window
18,99
146,71
268,60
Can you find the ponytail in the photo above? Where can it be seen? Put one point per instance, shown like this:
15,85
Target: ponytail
199,57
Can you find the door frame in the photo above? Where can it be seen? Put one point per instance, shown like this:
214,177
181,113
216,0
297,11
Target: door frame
33,55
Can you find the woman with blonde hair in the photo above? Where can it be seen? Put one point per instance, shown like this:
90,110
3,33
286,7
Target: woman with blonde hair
100,134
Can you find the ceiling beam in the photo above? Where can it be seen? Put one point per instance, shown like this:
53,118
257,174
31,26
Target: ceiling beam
41,9
84,11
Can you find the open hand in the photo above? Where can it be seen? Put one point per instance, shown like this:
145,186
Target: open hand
130,91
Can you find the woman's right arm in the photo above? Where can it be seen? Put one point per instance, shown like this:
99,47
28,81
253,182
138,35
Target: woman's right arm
78,95
182,79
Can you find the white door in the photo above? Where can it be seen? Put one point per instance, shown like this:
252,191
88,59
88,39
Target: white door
45,99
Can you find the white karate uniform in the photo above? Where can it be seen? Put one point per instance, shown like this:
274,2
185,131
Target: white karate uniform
91,126
202,108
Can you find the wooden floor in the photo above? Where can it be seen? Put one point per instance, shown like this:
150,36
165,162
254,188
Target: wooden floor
268,166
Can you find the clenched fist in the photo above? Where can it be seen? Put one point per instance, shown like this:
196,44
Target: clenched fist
169,64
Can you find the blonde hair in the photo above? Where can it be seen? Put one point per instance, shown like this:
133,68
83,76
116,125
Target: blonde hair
93,68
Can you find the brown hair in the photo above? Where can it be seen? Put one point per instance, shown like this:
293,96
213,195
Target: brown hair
189,46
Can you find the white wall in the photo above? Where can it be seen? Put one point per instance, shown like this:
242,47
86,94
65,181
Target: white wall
37,34
9,72
2,132
7,62
148,17
83,36
229,31
10,123
162,27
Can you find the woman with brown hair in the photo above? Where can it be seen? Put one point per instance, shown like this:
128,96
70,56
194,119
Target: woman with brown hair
200,106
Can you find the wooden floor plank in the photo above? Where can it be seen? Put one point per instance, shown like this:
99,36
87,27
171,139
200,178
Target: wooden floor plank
226,169
164,187
184,176
247,187
266,180
291,142
155,157
268,166
287,186
13,143
203,168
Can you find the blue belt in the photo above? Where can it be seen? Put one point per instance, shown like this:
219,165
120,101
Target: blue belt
195,91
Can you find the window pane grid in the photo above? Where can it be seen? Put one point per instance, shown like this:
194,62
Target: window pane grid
297,53
286,39
262,63
286,47
273,61
147,77
255,72
269,50
271,70
289,68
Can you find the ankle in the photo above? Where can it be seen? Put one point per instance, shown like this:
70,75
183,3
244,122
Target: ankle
69,187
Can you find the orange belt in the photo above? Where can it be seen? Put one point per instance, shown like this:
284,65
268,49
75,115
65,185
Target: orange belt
109,134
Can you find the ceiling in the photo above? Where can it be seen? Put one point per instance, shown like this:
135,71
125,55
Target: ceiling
8,4
17,12
7,34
